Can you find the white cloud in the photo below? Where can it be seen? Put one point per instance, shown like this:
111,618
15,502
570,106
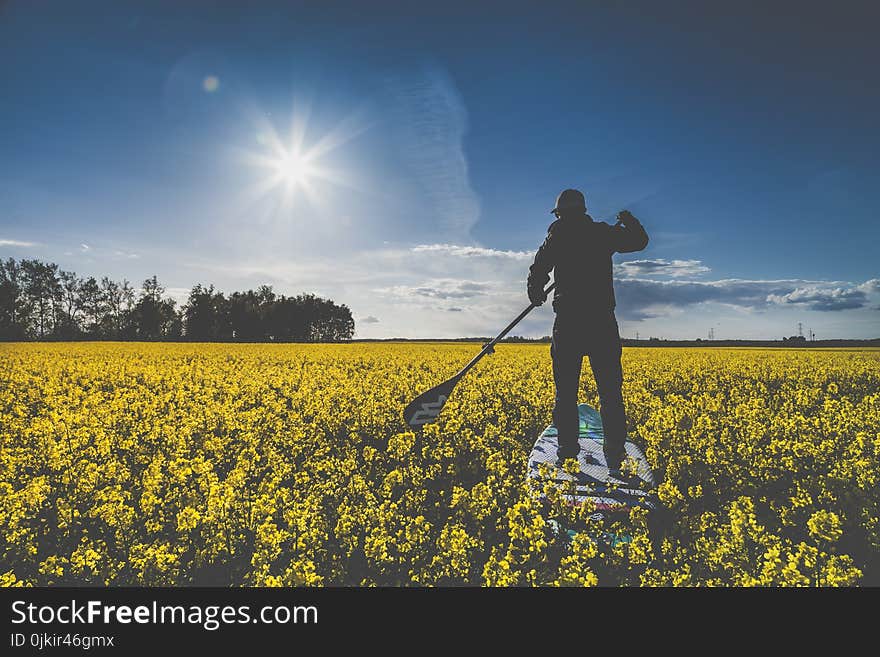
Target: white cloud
870,286
816,298
471,251
640,299
661,267
448,288
18,243
84,247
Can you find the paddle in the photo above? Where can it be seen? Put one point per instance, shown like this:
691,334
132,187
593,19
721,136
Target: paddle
426,407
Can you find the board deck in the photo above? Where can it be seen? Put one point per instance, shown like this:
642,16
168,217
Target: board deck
594,483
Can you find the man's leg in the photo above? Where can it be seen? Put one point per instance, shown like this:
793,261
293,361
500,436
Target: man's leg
567,361
605,352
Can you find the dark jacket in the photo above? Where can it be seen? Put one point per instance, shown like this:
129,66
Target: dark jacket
580,250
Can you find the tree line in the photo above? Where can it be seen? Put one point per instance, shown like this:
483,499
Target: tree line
39,301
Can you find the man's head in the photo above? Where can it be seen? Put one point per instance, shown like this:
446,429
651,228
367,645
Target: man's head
570,203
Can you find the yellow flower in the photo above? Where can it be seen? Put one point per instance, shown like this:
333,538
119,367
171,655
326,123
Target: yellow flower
290,465
825,525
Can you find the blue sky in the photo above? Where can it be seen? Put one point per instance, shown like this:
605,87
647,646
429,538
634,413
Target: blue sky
403,160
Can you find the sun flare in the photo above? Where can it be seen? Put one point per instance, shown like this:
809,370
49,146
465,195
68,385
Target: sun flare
294,169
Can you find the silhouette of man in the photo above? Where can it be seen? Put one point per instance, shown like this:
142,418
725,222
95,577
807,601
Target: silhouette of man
579,251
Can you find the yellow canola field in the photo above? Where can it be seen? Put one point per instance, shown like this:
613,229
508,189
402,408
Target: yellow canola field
174,464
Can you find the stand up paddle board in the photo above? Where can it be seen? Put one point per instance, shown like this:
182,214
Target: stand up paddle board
594,484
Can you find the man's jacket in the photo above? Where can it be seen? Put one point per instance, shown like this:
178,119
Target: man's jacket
580,250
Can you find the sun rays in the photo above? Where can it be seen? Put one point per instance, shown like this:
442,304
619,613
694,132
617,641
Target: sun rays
296,172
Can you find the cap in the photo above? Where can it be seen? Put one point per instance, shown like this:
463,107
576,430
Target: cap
570,199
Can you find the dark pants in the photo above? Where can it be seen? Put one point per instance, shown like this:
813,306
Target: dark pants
595,335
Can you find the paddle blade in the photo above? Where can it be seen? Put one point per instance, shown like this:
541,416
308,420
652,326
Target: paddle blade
426,407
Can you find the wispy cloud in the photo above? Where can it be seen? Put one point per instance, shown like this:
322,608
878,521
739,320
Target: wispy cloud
17,243
431,121
471,251
661,267
369,319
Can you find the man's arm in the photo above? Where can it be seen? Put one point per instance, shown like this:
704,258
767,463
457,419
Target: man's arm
629,237
539,272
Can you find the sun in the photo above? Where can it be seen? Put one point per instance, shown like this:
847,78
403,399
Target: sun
295,169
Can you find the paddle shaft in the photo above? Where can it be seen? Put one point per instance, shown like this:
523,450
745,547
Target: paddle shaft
488,347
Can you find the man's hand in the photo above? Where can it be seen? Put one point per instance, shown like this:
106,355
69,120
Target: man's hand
537,296
626,218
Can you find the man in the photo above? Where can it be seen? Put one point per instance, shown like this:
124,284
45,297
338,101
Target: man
579,251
